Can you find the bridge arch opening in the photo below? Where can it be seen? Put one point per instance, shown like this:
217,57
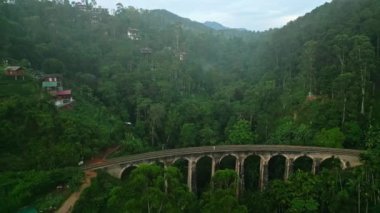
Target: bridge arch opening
331,163
227,162
127,172
203,174
303,163
276,167
252,172
182,164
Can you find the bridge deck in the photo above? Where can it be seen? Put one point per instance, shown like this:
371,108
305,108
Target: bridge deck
221,149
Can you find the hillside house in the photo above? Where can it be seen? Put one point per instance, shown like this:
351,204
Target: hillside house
311,97
52,82
15,71
133,34
182,56
63,98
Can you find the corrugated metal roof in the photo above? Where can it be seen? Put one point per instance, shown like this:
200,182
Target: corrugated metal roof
13,68
64,92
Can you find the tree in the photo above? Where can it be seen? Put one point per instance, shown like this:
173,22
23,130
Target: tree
150,188
308,64
240,133
330,138
156,116
362,58
222,195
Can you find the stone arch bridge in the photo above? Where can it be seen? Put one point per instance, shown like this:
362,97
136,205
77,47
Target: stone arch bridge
347,157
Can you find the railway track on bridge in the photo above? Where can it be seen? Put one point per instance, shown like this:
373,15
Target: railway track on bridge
156,155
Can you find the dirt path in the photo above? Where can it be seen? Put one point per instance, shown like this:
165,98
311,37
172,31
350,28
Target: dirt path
68,205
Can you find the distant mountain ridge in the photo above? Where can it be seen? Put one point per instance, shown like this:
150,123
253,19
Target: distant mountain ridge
215,25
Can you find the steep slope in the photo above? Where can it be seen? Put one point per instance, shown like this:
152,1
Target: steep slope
215,25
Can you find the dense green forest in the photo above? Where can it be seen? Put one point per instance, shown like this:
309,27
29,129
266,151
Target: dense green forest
177,83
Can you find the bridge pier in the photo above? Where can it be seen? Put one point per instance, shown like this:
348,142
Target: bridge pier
288,168
241,175
213,166
238,173
191,174
264,171
315,166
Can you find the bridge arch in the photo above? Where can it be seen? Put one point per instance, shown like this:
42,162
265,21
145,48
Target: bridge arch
179,159
203,156
182,164
276,166
251,171
228,161
329,161
252,155
303,163
127,170
228,154
203,172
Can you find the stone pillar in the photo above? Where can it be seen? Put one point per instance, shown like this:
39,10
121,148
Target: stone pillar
288,168
213,165
264,172
166,164
241,175
315,166
344,164
191,175
237,170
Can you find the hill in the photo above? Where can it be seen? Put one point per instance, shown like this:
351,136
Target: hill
215,25
146,80
178,71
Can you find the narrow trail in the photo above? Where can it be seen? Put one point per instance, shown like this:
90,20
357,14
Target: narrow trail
68,205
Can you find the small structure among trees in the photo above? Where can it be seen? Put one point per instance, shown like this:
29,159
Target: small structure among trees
181,56
133,34
52,82
311,97
63,98
15,71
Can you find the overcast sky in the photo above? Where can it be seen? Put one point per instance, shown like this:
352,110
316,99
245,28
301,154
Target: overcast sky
249,14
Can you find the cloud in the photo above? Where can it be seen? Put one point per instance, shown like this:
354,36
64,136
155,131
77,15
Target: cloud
249,14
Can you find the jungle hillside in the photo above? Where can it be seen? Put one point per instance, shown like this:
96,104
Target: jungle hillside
144,80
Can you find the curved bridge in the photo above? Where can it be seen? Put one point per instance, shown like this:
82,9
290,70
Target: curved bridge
347,157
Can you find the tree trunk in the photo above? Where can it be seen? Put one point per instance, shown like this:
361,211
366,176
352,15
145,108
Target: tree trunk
152,135
341,61
363,84
344,110
378,46
359,197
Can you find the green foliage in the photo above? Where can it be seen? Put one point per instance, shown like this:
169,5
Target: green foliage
313,82
18,189
329,138
240,133
222,195
149,188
